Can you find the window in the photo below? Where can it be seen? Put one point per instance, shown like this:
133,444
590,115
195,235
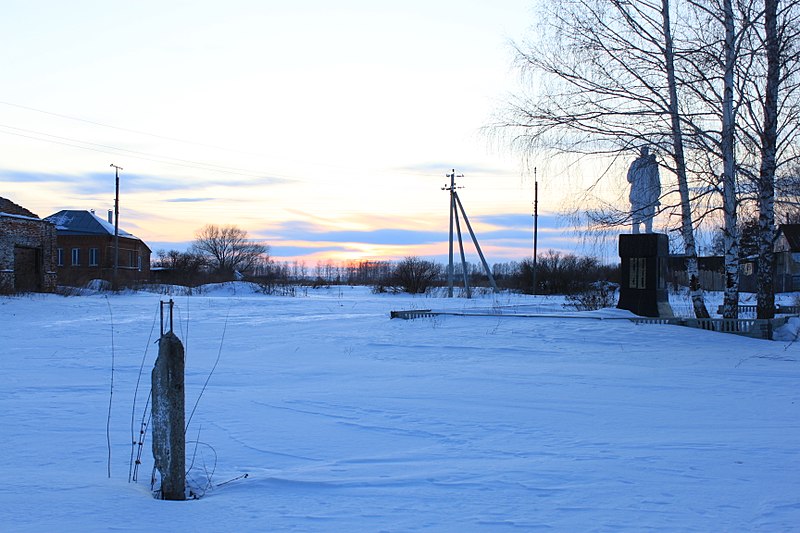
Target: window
76,256
60,257
139,262
93,257
131,258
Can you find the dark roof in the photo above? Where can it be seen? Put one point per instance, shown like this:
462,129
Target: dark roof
10,208
711,262
792,234
74,222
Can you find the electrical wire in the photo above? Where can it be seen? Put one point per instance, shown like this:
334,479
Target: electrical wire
188,163
104,148
138,132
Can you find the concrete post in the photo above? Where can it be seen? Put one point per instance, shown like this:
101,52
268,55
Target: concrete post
169,418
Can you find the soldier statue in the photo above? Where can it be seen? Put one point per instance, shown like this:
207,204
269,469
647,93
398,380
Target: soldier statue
645,190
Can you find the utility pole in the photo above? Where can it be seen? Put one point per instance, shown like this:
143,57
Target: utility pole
535,224
114,278
455,206
452,190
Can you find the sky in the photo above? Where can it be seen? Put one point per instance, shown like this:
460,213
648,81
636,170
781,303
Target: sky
323,129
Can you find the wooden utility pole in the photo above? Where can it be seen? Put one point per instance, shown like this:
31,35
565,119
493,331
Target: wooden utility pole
455,206
114,277
535,224
452,189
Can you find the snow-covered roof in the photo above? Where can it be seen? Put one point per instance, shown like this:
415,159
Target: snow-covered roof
76,222
22,217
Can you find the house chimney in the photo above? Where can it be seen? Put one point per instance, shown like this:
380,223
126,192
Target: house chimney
110,216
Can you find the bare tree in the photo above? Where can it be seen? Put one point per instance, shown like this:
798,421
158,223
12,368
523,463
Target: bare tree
727,144
765,298
711,43
770,126
228,248
760,114
415,275
606,71
687,228
182,267
614,74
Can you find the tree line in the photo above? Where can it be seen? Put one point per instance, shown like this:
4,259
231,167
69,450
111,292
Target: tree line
225,253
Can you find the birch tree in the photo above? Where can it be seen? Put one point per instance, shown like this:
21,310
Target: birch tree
729,203
712,43
765,299
759,114
608,86
771,124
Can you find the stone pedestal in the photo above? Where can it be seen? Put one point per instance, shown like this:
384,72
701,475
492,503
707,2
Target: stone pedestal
643,286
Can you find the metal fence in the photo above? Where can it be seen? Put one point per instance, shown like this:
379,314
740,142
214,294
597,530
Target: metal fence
748,327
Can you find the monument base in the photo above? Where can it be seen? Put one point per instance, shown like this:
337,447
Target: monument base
643,286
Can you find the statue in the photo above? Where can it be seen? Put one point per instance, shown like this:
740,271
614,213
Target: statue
645,190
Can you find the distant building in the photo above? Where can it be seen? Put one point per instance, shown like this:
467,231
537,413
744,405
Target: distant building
27,250
711,270
85,250
787,258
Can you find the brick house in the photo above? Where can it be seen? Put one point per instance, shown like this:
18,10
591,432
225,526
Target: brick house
85,250
27,250
787,258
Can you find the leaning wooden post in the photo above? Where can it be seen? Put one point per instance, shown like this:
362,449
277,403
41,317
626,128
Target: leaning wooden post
169,434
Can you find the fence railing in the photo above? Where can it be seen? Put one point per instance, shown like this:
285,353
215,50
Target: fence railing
749,327
414,313
756,328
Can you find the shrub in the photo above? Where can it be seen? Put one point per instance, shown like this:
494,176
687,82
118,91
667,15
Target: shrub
599,295
412,275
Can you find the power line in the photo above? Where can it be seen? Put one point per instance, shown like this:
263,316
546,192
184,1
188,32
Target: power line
104,148
138,132
174,161
164,137
204,145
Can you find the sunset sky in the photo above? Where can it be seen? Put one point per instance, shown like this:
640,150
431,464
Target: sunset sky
323,128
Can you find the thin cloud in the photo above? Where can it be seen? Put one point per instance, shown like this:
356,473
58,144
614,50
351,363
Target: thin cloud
308,232
19,176
441,169
103,182
190,200
279,250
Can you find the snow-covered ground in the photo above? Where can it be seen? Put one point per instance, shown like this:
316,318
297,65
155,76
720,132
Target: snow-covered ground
344,420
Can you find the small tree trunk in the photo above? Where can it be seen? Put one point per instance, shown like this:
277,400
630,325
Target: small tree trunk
731,233
687,230
765,298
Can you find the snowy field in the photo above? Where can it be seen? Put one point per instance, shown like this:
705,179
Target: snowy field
344,420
